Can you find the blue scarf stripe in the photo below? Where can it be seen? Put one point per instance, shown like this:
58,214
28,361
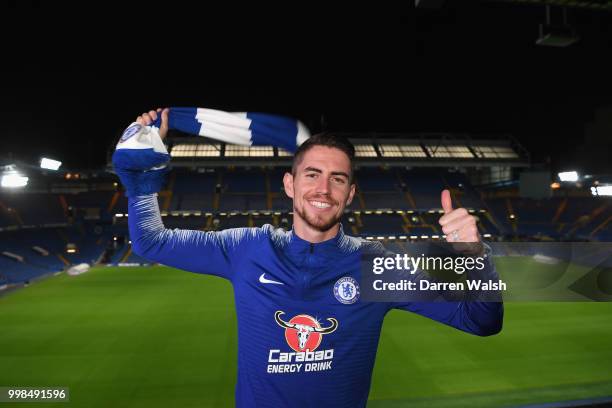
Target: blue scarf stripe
248,128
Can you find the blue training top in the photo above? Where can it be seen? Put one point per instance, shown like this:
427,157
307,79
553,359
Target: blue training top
300,342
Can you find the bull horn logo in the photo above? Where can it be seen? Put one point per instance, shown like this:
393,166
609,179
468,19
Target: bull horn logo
304,332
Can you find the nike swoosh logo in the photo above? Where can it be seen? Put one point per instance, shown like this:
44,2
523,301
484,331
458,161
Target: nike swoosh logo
263,279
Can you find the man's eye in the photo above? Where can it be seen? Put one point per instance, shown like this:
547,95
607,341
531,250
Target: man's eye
311,175
338,180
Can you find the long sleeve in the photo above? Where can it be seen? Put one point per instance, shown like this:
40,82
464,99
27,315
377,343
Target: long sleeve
482,318
191,250
479,318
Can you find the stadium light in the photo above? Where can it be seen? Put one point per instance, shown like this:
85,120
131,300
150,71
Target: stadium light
570,176
13,180
602,190
49,164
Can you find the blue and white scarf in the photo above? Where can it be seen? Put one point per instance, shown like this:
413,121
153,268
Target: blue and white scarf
141,149
242,128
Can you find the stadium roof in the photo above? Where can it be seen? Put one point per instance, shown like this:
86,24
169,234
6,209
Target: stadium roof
421,150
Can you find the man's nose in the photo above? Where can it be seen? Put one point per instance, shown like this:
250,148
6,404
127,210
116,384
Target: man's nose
323,185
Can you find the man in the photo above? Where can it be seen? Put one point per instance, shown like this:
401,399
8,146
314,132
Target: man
305,338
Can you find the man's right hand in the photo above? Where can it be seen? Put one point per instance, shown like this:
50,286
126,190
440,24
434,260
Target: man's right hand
140,159
149,117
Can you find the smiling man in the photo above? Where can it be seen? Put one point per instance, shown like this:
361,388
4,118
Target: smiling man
320,184
305,338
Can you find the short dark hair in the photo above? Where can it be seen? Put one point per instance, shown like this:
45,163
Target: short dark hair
328,139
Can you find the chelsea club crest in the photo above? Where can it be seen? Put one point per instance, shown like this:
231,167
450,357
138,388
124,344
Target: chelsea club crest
130,131
346,290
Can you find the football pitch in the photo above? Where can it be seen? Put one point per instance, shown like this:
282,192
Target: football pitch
159,337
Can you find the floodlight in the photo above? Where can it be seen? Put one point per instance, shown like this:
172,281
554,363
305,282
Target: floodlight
13,180
571,176
50,164
602,190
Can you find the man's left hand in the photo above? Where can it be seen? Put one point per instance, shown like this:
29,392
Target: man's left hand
457,224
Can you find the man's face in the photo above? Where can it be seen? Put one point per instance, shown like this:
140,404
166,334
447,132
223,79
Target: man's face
320,188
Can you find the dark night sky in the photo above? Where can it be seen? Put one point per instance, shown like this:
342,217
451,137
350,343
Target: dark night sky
68,90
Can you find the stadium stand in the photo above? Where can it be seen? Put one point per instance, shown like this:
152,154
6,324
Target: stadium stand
76,221
34,208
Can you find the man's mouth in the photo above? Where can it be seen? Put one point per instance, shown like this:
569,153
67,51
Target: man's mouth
320,204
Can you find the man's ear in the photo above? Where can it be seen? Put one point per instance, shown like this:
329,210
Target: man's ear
288,183
351,195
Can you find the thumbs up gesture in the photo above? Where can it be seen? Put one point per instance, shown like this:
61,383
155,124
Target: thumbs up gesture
457,224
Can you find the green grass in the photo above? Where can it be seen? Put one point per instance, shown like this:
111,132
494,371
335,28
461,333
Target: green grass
158,337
